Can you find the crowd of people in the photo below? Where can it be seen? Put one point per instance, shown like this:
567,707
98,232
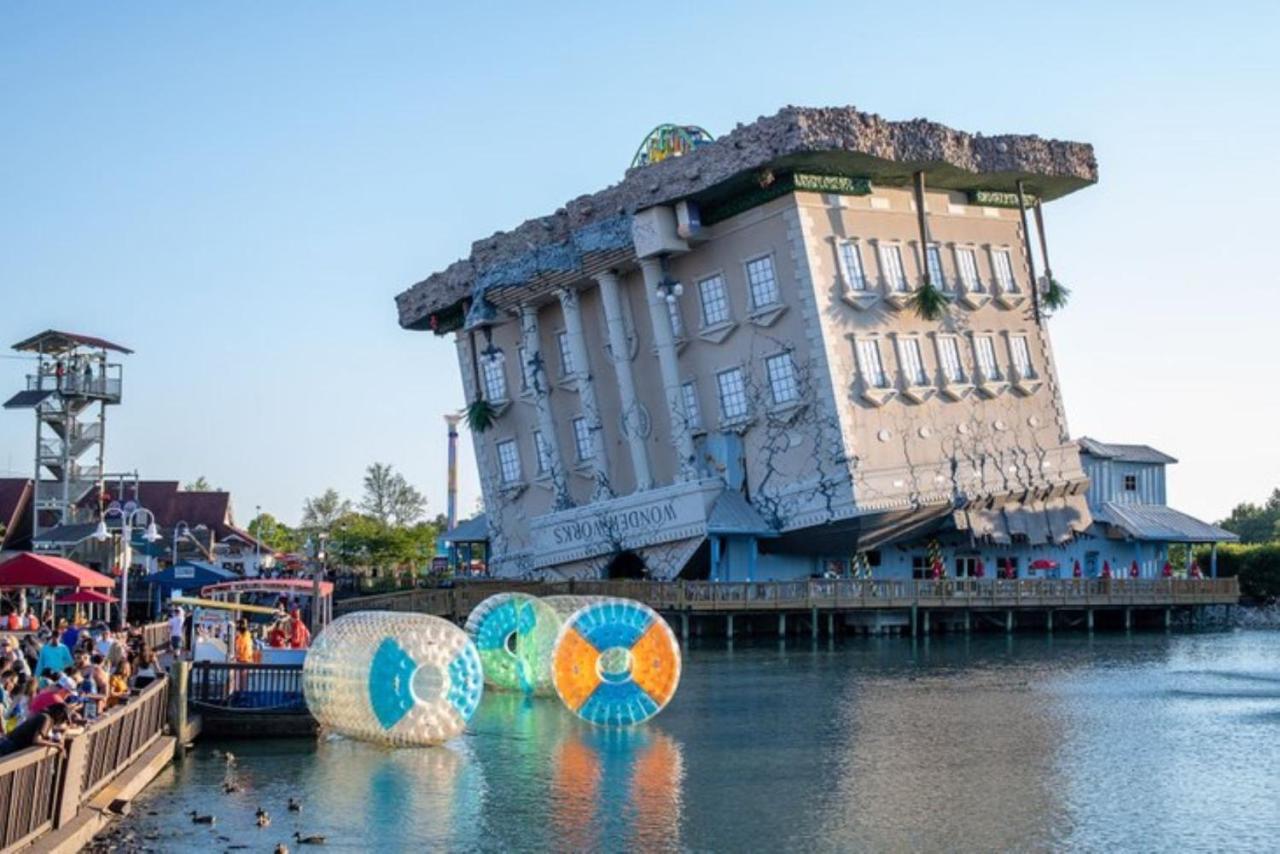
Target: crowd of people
58,677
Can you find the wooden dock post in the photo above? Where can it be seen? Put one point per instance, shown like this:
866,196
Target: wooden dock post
1168,618
684,625
1008,621
728,626
1128,619
179,685
913,620
1048,620
968,621
831,624
782,624
1088,618
813,613
924,623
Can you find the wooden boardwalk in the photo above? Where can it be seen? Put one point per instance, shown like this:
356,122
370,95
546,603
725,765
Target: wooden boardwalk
813,597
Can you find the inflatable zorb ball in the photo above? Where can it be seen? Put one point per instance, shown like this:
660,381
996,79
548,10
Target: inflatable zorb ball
616,662
392,678
515,634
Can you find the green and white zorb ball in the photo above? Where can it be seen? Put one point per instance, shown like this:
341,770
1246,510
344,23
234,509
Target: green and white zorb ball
514,634
393,678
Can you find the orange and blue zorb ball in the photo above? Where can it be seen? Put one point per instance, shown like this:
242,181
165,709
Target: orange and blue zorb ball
616,663
393,678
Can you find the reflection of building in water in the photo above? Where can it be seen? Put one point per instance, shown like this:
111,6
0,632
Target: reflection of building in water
427,798
909,771
618,789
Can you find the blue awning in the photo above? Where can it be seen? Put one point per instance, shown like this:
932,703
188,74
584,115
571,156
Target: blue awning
190,575
732,515
473,530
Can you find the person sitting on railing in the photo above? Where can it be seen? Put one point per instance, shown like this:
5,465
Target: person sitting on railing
42,729
23,696
118,685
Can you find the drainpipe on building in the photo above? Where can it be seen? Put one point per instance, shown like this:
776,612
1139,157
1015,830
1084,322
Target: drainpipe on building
1031,260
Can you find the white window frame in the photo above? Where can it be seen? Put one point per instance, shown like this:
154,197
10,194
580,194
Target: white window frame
494,376
721,299
692,408
990,367
582,443
510,470
1002,270
742,406
780,371
871,369
773,284
855,281
893,268
910,356
1020,354
949,353
969,276
673,313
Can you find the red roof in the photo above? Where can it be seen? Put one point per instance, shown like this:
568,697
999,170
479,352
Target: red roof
53,342
33,570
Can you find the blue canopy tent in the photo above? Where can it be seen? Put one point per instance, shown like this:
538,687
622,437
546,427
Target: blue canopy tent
188,576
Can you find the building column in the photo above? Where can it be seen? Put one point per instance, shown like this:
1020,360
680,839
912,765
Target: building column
611,297
586,393
536,378
715,558
668,365
1213,560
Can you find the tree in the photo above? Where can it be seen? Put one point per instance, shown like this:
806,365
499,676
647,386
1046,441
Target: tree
274,534
200,484
389,498
321,512
1254,523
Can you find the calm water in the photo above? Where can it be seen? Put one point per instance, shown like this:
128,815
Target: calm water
1145,742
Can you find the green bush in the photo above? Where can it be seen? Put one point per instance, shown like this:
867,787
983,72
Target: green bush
1256,564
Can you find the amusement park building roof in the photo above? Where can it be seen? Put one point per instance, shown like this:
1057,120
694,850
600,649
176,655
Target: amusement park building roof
51,342
592,232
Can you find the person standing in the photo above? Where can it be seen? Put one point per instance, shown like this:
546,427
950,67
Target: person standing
54,656
175,630
244,642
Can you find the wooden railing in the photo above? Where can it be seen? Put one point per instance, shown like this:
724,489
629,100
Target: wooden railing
829,594
261,688
29,783
117,738
156,635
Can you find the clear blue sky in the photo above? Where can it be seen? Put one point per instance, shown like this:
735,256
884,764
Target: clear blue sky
238,191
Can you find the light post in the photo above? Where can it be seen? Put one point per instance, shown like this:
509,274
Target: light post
257,541
129,519
181,529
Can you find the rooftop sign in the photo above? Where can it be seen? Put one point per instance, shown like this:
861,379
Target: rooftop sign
669,141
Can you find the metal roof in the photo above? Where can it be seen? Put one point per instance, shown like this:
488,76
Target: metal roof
28,399
1123,453
473,530
731,514
1161,523
52,342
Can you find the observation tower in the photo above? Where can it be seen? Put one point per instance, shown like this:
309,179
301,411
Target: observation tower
73,384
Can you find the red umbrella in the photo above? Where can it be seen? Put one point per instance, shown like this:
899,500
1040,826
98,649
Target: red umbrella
1133,570
1076,571
1044,563
937,569
1106,569
33,570
980,570
1167,572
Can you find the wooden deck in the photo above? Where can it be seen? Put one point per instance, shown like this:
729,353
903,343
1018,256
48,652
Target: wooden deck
832,596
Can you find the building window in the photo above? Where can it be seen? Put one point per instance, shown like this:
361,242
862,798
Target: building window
782,378
714,300
677,322
949,355
872,366
733,394
494,375
761,282
912,364
509,462
986,350
566,355
895,275
934,259
1004,271
1131,483
692,412
542,451
582,438
855,275
1022,356
967,261
920,569
1007,567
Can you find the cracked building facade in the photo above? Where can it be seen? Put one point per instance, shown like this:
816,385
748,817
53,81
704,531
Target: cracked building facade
719,367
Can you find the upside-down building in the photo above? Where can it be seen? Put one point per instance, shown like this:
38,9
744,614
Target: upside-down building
816,344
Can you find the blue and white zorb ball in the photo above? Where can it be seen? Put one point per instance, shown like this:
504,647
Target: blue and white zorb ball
398,679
